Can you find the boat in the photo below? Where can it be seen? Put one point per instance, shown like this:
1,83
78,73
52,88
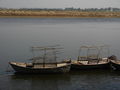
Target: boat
45,63
90,61
114,62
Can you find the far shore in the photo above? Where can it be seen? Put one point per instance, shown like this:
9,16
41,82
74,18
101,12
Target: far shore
51,17
58,14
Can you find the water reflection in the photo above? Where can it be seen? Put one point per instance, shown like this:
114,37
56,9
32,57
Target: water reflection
75,80
44,82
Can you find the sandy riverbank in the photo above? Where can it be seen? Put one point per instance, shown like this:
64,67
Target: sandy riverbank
62,14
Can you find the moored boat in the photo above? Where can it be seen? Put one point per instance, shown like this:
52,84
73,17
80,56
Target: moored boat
90,61
38,68
81,65
47,63
114,62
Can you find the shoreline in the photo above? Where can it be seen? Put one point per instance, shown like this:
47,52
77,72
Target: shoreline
58,14
54,17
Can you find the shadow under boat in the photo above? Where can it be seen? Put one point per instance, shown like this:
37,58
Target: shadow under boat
90,61
46,63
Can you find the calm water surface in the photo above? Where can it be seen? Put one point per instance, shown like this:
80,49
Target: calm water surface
17,35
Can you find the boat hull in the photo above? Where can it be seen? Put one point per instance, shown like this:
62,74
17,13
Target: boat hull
20,69
87,67
114,65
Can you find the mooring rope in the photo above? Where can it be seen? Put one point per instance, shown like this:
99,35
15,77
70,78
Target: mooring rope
9,69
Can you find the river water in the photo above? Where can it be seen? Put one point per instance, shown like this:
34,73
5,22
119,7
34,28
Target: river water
17,35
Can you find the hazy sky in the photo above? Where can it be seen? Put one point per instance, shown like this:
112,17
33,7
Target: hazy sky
59,3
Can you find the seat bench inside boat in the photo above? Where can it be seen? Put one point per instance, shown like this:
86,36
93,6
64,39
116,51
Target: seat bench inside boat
46,65
86,62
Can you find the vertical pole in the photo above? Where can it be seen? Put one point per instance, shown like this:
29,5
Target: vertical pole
98,55
33,56
79,53
87,55
55,59
44,57
108,53
99,51
54,53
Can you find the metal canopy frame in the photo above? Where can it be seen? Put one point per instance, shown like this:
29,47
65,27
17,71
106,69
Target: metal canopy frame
47,52
92,56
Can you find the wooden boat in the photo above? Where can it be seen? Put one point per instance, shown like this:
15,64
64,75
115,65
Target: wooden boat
114,62
81,65
45,64
90,61
38,68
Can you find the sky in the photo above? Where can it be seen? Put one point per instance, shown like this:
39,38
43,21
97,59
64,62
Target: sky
59,3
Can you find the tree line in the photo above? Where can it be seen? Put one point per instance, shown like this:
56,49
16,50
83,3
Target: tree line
66,9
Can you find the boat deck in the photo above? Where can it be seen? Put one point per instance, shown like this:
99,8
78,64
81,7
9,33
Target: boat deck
91,62
116,61
50,65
